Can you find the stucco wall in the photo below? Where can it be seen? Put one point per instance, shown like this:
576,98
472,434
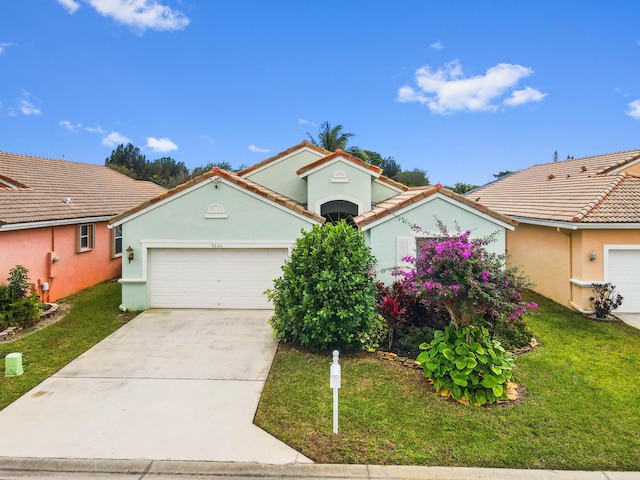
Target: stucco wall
281,176
552,257
181,223
381,192
382,238
589,271
74,272
544,255
321,189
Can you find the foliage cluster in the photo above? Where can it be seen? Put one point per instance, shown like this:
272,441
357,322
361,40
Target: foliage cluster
325,298
605,299
164,171
334,138
18,305
421,319
467,363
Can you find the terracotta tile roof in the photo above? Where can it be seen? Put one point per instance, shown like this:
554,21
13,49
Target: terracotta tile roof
34,189
231,177
579,191
288,151
339,153
413,195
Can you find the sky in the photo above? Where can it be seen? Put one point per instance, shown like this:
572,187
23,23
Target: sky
461,89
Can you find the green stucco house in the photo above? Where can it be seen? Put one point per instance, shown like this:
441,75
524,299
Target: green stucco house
219,240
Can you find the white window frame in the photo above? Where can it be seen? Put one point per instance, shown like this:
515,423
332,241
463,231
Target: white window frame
117,234
90,237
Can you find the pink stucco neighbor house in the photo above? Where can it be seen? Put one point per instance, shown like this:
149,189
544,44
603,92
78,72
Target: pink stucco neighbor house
579,225
53,221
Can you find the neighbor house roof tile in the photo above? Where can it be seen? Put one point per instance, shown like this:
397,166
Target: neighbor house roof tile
583,190
35,190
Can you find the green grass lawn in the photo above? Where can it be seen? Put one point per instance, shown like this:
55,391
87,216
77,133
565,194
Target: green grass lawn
580,409
94,314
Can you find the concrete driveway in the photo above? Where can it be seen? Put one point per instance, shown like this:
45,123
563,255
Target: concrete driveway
169,385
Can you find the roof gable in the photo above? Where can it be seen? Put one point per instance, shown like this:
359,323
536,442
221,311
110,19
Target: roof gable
409,199
233,179
36,189
282,156
338,155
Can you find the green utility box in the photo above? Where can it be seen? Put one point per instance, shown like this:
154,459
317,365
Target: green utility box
13,365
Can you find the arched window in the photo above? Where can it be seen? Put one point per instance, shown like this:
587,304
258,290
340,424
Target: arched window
337,210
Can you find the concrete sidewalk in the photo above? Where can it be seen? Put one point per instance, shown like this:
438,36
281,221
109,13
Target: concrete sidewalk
56,469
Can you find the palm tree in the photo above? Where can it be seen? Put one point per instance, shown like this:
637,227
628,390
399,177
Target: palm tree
331,139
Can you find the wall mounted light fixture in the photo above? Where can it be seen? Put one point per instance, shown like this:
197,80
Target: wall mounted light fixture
130,253
593,256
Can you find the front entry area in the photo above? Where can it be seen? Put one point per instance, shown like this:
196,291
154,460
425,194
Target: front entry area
213,278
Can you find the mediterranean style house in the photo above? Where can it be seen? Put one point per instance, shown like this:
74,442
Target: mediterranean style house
219,240
579,225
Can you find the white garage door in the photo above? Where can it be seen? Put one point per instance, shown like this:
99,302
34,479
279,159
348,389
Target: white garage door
213,278
624,273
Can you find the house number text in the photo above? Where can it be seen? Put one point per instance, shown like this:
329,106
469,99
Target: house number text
216,245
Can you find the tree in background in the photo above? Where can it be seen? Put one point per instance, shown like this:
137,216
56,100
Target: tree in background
163,171
412,178
333,138
330,138
462,188
128,160
501,174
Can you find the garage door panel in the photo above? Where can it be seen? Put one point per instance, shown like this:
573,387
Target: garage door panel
220,278
624,273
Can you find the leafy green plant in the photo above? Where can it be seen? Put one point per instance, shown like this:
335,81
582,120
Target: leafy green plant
17,305
18,282
467,363
325,298
511,333
605,299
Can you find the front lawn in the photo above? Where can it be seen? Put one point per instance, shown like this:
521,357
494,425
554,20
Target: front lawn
94,315
580,409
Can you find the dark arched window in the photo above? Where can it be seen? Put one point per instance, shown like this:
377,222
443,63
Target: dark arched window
337,210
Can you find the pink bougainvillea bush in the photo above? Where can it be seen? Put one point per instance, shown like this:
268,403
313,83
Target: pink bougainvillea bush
458,272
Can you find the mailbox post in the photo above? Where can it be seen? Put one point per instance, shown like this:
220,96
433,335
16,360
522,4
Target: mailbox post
334,383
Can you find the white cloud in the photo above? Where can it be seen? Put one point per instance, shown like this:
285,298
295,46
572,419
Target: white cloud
72,127
4,45
114,139
141,14
437,46
303,122
520,97
634,109
70,6
161,145
26,106
447,90
97,129
253,148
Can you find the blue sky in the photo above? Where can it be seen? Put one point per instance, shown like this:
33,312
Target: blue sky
461,89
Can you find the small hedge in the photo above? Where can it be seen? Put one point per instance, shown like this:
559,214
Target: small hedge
325,298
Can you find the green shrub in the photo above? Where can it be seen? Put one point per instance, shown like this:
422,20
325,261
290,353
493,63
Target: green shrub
373,338
512,333
17,306
325,298
467,363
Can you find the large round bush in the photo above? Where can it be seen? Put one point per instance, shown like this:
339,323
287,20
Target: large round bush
325,298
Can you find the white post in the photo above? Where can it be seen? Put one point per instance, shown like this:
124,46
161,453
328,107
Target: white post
334,383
